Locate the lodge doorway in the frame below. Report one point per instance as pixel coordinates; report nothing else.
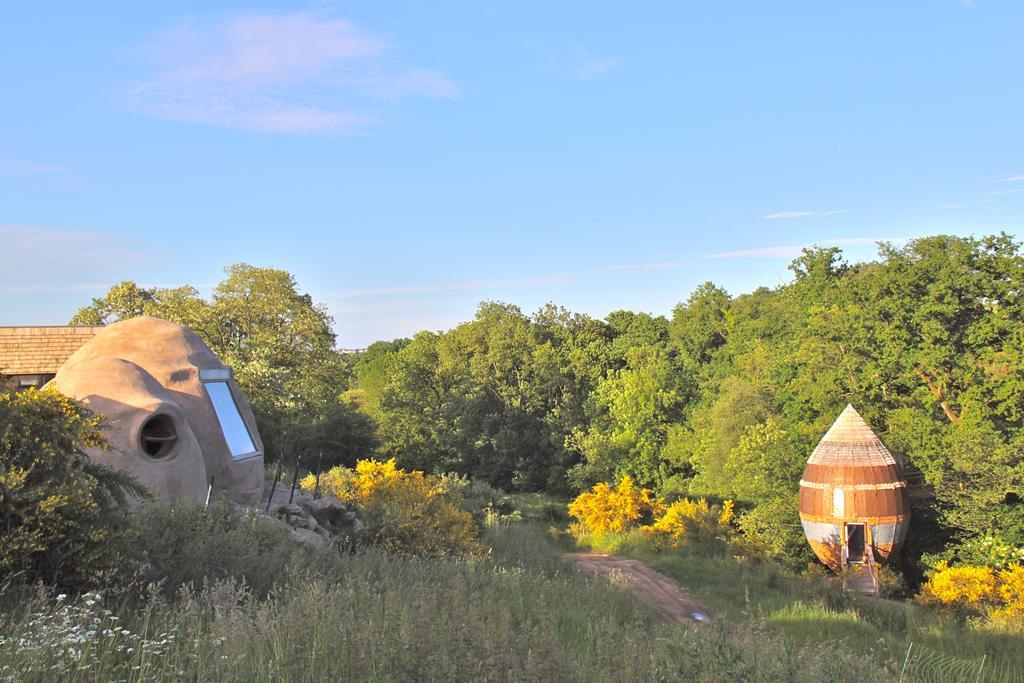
(855, 543)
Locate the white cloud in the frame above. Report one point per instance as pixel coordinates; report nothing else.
(39, 289)
(453, 286)
(15, 167)
(585, 66)
(802, 214)
(49, 259)
(414, 82)
(794, 251)
(992, 195)
(963, 204)
(412, 323)
(765, 252)
(642, 267)
(291, 73)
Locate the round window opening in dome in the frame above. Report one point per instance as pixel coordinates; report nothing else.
(158, 436)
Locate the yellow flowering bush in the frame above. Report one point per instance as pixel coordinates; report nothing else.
(975, 590)
(727, 513)
(403, 511)
(1011, 585)
(963, 586)
(612, 508)
(1011, 594)
(685, 520)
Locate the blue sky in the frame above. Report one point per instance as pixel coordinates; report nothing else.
(406, 160)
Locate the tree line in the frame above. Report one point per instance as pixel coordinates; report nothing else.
(726, 398)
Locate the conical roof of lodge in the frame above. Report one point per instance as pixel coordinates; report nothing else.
(850, 442)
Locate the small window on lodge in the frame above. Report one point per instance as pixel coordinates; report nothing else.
(231, 423)
(158, 436)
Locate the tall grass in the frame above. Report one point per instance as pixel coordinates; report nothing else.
(809, 611)
(520, 615)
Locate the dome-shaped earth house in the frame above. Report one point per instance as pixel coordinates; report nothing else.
(176, 418)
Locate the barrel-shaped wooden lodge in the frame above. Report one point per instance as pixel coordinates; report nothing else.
(854, 502)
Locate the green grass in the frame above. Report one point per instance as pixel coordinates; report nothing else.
(541, 507)
(520, 613)
(817, 622)
(807, 611)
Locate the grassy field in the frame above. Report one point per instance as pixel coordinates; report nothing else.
(519, 613)
(806, 611)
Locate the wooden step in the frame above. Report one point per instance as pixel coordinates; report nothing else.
(860, 579)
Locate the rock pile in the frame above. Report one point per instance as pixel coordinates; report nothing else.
(313, 520)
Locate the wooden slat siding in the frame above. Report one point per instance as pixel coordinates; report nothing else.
(40, 350)
(842, 473)
(882, 502)
(852, 458)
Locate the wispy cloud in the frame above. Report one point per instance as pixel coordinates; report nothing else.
(453, 286)
(990, 196)
(642, 267)
(49, 259)
(39, 289)
(30, 168)
(963, 204)
(796, 250)
(290, 73)
(802, 214)
(764, 252)
(412, 323)
(1002, 192)
(585, 65)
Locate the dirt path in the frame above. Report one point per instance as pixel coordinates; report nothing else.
(653, 588)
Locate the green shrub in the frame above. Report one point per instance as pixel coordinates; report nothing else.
(488, 505)
(551, 512)
(772, 530)
(63, 518)
(541, 507)
(340, 437)
(192, 546)
(892, 584)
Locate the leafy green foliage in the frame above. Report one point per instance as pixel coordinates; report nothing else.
(725, 400)
(728, 398)
(495, 397)
(63, 518)
(632, 410)
(343, 435)
(488, 505)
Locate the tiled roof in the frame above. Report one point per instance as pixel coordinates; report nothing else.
(851, 442)
(40, 350)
